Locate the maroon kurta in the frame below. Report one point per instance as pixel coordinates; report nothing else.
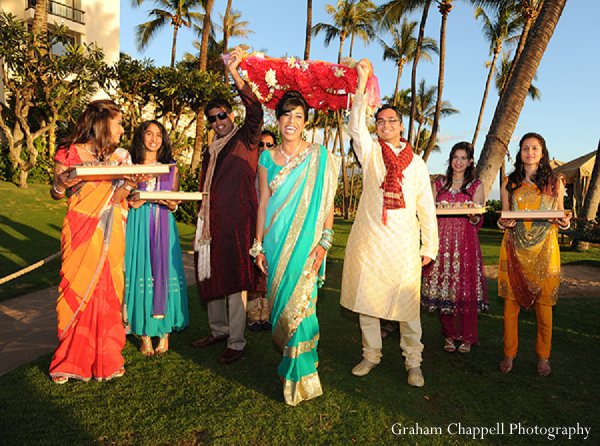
(233, 206)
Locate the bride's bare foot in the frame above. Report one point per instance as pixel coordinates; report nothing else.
(506, 364)
(543, 367)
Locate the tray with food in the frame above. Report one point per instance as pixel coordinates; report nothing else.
(90, 173)
(167, 195)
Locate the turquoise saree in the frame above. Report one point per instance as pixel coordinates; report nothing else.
(302, 194)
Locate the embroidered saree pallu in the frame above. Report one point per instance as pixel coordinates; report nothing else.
(302, 196)
(531, 249)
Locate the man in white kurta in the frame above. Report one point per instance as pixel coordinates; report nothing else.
(382, 265)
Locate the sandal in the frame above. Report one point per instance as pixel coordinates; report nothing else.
(60, 379)
(543, 367)
(146, 346)
(506, 364)
(449, 345)
(163, 345)
(464, 347)
(387, 328)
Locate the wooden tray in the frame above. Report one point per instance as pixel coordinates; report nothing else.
(532, 215)
(90, 173)
(460, 211)
(167, 195)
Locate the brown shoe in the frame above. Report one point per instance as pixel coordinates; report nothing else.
(208, 340)
(230, 355)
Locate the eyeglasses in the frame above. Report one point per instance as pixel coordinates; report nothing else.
(387, 121)
(266, 144)
(221, 115)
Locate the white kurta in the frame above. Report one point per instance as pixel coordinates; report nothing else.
(382, 265)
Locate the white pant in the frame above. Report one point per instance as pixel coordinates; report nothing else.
(232, 323)
(410, 340)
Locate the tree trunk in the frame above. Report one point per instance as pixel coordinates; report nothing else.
(511, 103)
(226, 29)
(40, 19)
(397, 87)
(413, 76)
(308, 29)
(345, 200)
(174, 46)
(485, 94)
(445, 7)
(196, 155)
(592, 198)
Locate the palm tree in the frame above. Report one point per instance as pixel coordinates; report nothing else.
(178, 12)
(426, 101)
(497, 30)
(501, 78)
(226, 28)
(403, 49)
(308, 29)
(512, 100)
(350, 18)
(203, 59)
(529, 10)
(233, 27)
(391, 13)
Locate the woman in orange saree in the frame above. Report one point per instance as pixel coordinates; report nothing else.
(529, 270)
(91, 335)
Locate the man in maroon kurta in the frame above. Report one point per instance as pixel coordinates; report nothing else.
(227, 226)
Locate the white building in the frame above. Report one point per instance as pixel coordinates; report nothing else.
(87, 20)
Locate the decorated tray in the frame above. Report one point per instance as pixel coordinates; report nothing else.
(167, 195)
(461, 210)
(532, 215)
(116, 172)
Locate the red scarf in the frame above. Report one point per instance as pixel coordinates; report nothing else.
(393, 198)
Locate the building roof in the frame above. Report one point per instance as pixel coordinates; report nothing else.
(578, 168)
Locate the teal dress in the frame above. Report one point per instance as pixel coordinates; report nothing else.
(155, 288)
(302, 195)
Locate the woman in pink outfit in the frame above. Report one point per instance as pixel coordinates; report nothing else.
(455, 283)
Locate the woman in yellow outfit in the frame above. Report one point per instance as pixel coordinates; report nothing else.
(529, 271)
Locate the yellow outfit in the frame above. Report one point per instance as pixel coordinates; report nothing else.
(529, 271)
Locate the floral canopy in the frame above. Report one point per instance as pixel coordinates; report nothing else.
(324, 85)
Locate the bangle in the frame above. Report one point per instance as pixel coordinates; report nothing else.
(174, 210)
(565, 227)
(326, 240)
(57, 190)
(475, 220)
(127, 187)
(257, 249)
(500, 225)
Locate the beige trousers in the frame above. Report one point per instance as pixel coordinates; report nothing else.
(233, 322)
(410, 340)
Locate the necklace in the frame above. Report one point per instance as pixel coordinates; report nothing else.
(289, 157)
(457, 181)
(88, 150)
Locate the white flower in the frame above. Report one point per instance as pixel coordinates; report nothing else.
(291, 62)
(339, 72)
(270, 78)
(303, 65)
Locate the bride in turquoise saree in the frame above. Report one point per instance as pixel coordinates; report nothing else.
(297, 183)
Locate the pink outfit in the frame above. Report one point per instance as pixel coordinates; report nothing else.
(455, 282)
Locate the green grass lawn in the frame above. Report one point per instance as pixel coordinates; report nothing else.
(186, 398)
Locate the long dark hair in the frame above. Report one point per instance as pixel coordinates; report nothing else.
(93, 126)
(469, 171)
(544, 176)
(289, 101)
(138, 150)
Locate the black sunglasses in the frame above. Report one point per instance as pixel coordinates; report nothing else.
(266, 144)
(213, 118)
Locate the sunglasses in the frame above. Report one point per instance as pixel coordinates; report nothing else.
(266, 144)
(221, 116)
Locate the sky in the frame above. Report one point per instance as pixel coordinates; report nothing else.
(568, 77)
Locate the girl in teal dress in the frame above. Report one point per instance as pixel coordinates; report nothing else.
(297, 183)
(155, 288)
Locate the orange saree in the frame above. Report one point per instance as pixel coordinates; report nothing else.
(90, 328)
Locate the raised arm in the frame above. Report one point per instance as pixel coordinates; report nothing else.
(254, 112)
(357, 123)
